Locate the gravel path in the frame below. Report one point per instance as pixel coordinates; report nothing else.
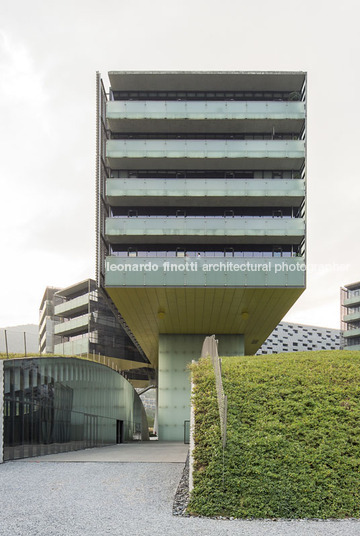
(132, 499)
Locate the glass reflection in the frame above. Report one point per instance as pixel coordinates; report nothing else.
(59, 404)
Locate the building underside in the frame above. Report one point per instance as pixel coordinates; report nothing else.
(250, 312)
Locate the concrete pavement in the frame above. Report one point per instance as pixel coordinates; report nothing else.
(136, 452)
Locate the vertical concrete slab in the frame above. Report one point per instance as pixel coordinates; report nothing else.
(192, 442)
(1, 411)
(175, 354)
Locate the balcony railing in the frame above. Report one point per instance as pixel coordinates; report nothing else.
(354, 299)
(193, 230)
(74, 347)
(352, 317)
(205, 154)
(204, 272)
(351, 332)
(73, 326)
(235, 192)
(142, 148)
(74, 306)
(198, 110)
(229, 253)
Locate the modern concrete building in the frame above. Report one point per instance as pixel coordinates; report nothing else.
(350, 316)
(289, 337)
(201, 180)
(77, 320)
(47, 320)
(88, 326)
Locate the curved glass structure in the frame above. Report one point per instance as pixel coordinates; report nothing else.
(59, 404)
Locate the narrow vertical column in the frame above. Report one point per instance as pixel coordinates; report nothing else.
(1, 411)
(156, 418)
(192, 441)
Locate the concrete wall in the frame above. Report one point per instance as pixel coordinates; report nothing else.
(175, 353)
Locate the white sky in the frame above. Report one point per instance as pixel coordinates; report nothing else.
(49, 53)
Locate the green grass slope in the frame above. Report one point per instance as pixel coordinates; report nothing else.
(293, 441)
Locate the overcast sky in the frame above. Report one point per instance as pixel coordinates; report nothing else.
(49, 54)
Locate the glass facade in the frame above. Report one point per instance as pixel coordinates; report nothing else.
(87, 325)
(60, 404)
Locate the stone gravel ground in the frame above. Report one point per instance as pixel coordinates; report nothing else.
(132, 499)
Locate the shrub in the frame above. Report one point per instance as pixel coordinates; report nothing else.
(293, 440)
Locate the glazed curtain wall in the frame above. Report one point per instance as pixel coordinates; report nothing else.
(60, 404)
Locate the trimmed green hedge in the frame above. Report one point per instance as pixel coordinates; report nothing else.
(293, 441)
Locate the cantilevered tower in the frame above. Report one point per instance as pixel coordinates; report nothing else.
(201, 181)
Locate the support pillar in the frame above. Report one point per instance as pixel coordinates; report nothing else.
(175, 354)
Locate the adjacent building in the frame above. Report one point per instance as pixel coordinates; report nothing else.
(48, 320)
(78, 320)
(289, 337)
(201, 181)
(87, 325)
(350, 316)
(56, 403)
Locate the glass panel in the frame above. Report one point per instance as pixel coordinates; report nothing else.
(47, 411)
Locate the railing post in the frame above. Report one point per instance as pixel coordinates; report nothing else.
(6, 344)
(225, 420)
(192, 437)
(210, 349)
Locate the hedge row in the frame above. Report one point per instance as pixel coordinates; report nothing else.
(293, 441)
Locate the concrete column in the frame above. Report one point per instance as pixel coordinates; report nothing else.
(192, 443)
(1, 410)
(175, 353)
(156, 418)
